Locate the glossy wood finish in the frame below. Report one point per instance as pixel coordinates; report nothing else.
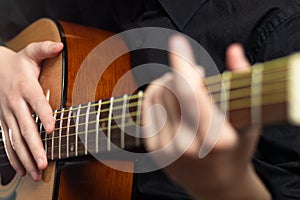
(78, 180)
(96, 180)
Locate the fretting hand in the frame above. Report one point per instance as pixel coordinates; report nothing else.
(226, 171)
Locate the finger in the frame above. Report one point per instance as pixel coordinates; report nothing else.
(29, 132)
(152, 105)
(20, 147)
(12, 157)
(34, 96)
(40, 51)
(183, 62)
(236, 59)
(188, 80)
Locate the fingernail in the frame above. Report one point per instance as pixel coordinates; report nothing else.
(21, 172)
(54, 45)
(49, 127)
(34, 175)
(40, 163)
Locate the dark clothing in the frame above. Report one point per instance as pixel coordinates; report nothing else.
(267, 28)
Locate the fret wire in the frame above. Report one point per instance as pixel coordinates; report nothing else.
(52, 153)
(91, 122)
(46, 143)
(68, 130)
(283, 67)
(60, 131)
(109, 123)
(115, 136)
(266, 100)
(133, 104)
(97, 124)
(125, 97)
(130, 144)
(107, 109)
(267, 68)
(86, 126)
(105, 102)
(127, 124)
(138, 118)
(257, 78)
(130, 124)
(76, 129)
(216, 101)
(246, 81)
(245, 106)
(63, 154)
(225, 94)
(245, 92)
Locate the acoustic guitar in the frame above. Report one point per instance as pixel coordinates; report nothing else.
(265, 95)
(72, 179)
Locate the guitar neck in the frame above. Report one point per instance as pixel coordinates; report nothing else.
(262, 96)
(95, 127)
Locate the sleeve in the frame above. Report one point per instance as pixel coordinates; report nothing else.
(277, 159)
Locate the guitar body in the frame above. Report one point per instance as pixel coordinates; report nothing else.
(73, 179)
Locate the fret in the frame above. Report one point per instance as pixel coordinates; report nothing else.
(39, 124)
(77, 129)
(109, 123)
(60, 131)
(138, 119)
(256, 95)
(225, 93)
(124, 106)
(68, 130)
(97, 125)
(293, 85)
(45, 144)
(52, 147)
(87, 127)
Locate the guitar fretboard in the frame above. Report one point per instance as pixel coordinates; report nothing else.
(95, 127)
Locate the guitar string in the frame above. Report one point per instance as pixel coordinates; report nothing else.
(89, 140)
(209, 79)
(132, 114)
(135, 96)
(245, 93)
(83, 132)
(71, 153)
(60, 119)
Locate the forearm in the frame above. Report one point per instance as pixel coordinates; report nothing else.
(248, 187)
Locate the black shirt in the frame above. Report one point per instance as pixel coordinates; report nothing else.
(268, 30)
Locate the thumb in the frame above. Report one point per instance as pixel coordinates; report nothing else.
(236, 59)
(39, 51)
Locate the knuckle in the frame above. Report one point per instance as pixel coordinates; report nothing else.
(45, 45)
(12, 101)
(38, 103)
(26, 133)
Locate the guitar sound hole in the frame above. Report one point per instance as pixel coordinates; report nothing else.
(6, 171)
(7, 174)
